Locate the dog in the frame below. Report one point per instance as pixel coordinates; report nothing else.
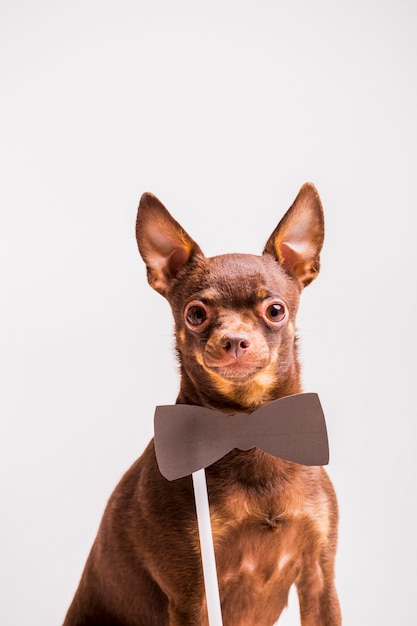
(274, 522)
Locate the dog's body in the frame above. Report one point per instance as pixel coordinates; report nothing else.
(274, 522)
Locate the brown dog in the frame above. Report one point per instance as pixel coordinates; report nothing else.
(274, 522)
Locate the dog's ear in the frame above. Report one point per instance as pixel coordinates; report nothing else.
(297, 240)
(163, 243)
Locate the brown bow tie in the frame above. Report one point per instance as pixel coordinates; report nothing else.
(189, 437)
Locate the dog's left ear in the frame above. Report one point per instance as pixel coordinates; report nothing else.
(298, 239)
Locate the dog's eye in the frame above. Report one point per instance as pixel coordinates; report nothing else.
(196, 315)
(275, 312)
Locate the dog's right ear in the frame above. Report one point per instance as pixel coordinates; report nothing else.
(163, 244)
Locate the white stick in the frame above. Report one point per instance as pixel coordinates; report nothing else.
(207, 548)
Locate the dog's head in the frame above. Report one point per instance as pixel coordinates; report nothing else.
(234, 313)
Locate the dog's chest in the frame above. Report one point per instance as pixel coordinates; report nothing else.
(253, 536)
(258, 556)
(260, 537)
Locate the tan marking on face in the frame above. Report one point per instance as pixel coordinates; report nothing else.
(252, 392)
(262, 294)
(256, 392)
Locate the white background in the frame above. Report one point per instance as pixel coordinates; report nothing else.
(222, 109)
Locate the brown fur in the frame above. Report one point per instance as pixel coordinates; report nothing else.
(274, 522)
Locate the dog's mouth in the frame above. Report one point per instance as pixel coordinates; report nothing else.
(236, 369)
(247, 384)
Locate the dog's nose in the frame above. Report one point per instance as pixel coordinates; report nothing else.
(235, 345)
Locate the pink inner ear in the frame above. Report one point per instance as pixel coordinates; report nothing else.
(176, 261)
(289, 256)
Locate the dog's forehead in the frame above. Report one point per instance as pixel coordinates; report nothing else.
(246, 265)
(245, 276)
